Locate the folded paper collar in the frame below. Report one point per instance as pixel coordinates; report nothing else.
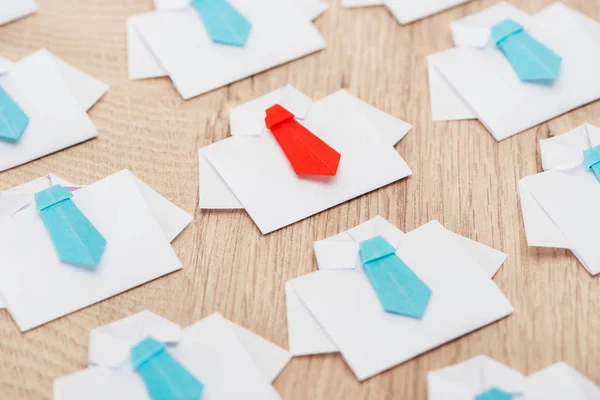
(475, 30)
(566, 151)
(248, 119)
(110, 344)
(20, 197)
(342, 251)
(478, 375)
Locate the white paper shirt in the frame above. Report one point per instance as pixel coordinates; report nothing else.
(560, 205)
(251, 170)
(179, 45)
(230, 361)
(338, 309)
(475, 82)
(470, 378)
(137, 223)
(55, 97)
(11, 10)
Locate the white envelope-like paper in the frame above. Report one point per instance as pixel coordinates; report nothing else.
(137, 223)
(230, 361)
(249, 170)
(174, 42)
(475, 80)
(407, 11)
(466, 380)
(12, 10)
(560, 205)
(336, 309)
(55, 96)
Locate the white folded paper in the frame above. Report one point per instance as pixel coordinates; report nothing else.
(12, 10)
(468, 379)
(55, 96)
(407, 11)
(137, 223)
(475, 80)
(336, 309)
(249, 170)
(173, 41)
(560, 205)
(230, 361)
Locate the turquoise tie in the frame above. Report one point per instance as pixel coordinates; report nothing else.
(224, 24)
(164, 377)
(493, 394)
(13, 119)
(76, 240)
(398, 288)
(531, 60)
(591, 158)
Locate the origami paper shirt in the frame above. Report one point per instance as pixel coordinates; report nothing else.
(165, 377)
(560, 205)
(137, 223)
(336, 309)
(54, 96)
(474, 79)
(249, 170)
(76, 240)
(224, 24)
(531, 59)
(308, 154)
(13, 119)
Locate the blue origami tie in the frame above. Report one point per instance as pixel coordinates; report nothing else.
(224, 24)
(398, 288)
(591, 158)
(13, 119)
(164, 377)
(76, 240)
(493, 394)
(531, 60)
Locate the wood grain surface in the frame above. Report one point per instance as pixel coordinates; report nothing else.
(462, 177)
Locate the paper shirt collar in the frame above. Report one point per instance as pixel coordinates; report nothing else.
(249, 118)
(478, 374)
(341, 251)
(20, 197)
(475, 30)
(566, 151)
(110, 344)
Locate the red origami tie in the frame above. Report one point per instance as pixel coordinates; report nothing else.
(308, 154)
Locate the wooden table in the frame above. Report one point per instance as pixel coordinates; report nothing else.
(462, 177)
